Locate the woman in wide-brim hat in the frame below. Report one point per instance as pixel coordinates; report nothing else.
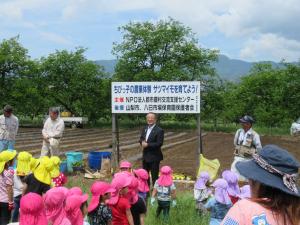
(275, 195)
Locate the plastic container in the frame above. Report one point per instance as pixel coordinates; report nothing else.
(63, 167)
(73, 157)
(65, 114)
(106, 155)
(95, 159)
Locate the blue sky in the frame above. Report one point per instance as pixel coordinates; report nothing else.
(250, 30)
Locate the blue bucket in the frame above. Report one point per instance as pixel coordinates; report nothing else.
(106, 155)
(73, 157)
(95, 159)
(63, 167)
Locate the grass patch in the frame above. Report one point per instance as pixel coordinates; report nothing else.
(183, 214)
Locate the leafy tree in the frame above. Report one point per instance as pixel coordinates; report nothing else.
(270, 95)
(166, 50)
(212, 97)
(75, 83)
(14, 62)
(28, 93)
(291, 91)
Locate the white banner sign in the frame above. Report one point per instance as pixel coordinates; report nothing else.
(158, 97)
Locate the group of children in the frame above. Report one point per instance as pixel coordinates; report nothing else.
(220, 196)
(33, 193)
(30, 175)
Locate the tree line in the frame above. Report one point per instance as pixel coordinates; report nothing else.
(163, 51)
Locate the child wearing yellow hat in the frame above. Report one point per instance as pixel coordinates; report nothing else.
(43, 171)
(33, 164)
(58, 178)
(6, 185)
(40, 179)
(23, 169)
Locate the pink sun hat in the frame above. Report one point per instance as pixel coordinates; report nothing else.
(125, 165)
(75, 191)
(120, 180)
(143, 177)
(32, 210)
(165, 178)
(64, 190)
(72, 208)
(133, 190)
(98, 189)
(54, 201)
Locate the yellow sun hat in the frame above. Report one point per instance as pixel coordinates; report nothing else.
(23, 165)
(33, 164)
(56, 163)
(6, 156)
(43, 171)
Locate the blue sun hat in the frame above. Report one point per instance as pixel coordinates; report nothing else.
(274, 167)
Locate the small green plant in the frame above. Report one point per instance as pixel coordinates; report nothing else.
(77, 164)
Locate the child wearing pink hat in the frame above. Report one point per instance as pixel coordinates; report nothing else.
(54, 201)
(74, 191)
(32, 210)
(220, 204)
(143, 186)
(138, 205)
(165, 191)
(98, 211)
(119, 202)
(76, 208)
(125, 166)
(202, 191)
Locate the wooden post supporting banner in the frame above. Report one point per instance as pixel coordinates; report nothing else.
(199, 141)
(118, 140)
(114, 143)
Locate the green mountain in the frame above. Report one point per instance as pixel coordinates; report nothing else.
(229, 69)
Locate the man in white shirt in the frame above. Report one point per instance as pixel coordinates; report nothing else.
(246, 142)
(52, 133)
(9, 125)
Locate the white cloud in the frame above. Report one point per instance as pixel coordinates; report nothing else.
(249, 22)
(79, 8)
(10, 12)
(56, 38)
(271, 47)
(14, 9)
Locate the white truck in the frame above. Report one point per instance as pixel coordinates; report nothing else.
(71, 121)
(295, 128)
(74, 122)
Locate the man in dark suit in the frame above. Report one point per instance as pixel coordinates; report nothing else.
(151, 140)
